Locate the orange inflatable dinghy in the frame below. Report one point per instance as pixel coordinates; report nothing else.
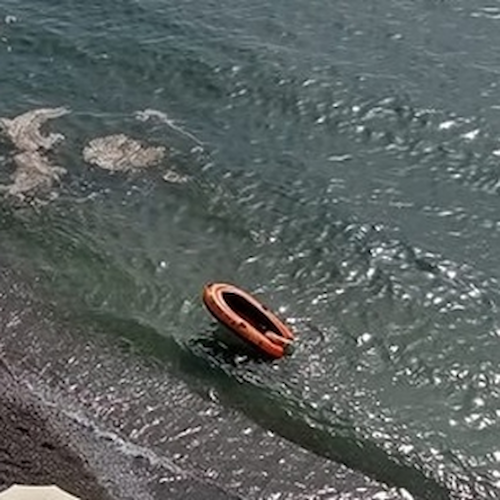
(248, 318)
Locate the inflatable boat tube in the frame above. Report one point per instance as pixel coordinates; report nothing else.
(248, 318)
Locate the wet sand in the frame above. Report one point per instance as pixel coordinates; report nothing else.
(42, 445)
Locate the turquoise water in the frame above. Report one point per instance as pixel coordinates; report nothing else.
(343, 163)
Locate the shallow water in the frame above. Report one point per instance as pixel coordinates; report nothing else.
(343, 163)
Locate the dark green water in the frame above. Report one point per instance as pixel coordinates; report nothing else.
(348, 172)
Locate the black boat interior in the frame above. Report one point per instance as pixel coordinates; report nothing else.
(249, 312)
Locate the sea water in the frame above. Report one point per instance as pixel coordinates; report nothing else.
(341, 161)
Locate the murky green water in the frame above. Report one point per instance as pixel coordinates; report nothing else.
(343, 162)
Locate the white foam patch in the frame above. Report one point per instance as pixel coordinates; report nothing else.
(148, 114)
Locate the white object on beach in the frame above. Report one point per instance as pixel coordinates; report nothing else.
(18, 492)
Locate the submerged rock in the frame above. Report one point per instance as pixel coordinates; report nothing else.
(25, 130)
(121, 153)
(34, 174)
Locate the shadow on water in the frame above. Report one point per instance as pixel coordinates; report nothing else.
(333, 440)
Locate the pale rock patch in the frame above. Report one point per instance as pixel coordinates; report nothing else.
(34, 174)
(121, 153)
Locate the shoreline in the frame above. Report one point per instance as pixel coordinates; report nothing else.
(42, 445)
(102, 424)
